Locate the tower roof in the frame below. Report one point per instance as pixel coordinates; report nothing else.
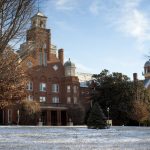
(40, 14)
(69, 63)
(147, 64)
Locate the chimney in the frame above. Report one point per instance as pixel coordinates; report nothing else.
(61, 55)
(135, 77)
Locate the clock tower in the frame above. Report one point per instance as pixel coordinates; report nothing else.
(39, 35)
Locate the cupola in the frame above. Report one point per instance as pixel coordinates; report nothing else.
(147, 69)
(38, 20)
(69, 68)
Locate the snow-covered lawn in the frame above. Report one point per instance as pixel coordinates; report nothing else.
(74, 138)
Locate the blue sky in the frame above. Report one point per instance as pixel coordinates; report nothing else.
(101, 34)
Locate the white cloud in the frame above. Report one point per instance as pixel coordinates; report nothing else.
(125, 16)
(65, 4)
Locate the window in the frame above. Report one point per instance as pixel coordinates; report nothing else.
(55, 99)
(68, 100)
(42, 99)
(55, 88)
(29, 64)
(40, 58)
(75, 100)
(44, 45)
(30, 86)
(34, 23)
(43, 87)
(41, 24)
(68, 88)
(75, 89)
(30, 98)
(45, 59)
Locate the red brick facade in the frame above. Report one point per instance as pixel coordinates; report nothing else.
(52, 83)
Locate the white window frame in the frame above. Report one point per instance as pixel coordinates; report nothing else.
(43, 87)
(68, 88)
(75, 100)
(75, 89)
(42, 99)
(30, 86)
(55, 88)
(55, 99)
(68, 100)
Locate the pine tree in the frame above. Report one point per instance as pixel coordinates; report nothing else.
(97, 119)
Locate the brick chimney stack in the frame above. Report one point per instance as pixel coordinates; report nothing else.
(61, 55)
(135, 78)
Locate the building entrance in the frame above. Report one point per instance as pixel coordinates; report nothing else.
(44, 117)
(1, 117)
(53, 118)
(63, 118)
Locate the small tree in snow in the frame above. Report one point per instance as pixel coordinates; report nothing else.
(97, 119)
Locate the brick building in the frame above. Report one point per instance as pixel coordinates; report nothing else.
(53, 83)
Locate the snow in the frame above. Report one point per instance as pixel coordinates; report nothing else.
(74, 138)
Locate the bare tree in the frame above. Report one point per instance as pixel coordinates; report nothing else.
(14, 17)
(140, 111)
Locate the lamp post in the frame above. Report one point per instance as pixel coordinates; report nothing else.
(108, 116)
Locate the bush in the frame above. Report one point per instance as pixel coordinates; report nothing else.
(29, 112)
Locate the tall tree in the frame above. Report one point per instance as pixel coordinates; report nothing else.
(118, 92)
(13, 79)
(14, 17)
